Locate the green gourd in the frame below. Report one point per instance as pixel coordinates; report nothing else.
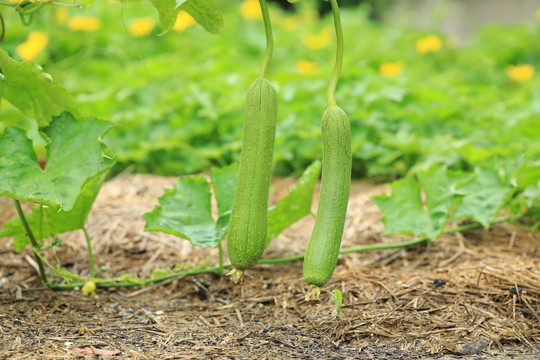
(323, 248)
(248, 226)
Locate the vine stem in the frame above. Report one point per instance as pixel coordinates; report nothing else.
(117, 282)
(90, 253)
(269, 40)
(35, 245)
(331, 92)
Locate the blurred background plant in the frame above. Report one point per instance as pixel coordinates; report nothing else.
(417, 98)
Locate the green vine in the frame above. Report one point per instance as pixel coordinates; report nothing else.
(75, 282)
(269, 40)
(331, 92)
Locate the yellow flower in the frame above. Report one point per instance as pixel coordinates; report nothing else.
(141, 27)
(84, 23)
(391, 68)
(61, 14)
(537, 14)
(35, 44)
(305, 67)
(428, 44)
(89, 289)
(183, 21)
(520, 73)
(317, 42)
(251, 10)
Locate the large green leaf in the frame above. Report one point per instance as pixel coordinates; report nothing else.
(33, 91)
(167, 13)
(205, 12)
(403, 210)
(296, 204)
(441, 188)
(484, 197)
(74, 155)
(185, 211)
(55, 221)
(224, 182)
(478, 196)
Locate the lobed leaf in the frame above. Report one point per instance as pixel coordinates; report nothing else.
(186, 212)
(167, 13)
(484, 197)
(33, 91)
(224, 182)
(456, 195)
(75, 154)
(403, 210)
(54, 220)
(295, 205)
(205, 13)
(441, 188)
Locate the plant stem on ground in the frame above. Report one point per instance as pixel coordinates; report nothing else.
(35, 245)
(90, 253)
(120, 281)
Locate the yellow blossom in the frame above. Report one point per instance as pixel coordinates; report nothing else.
(35, 44)
(537, 14)
(84, 23)
(520, 73)
(141, 27)
(391, 68)
(317, 42)
(61, 14)
(89, 289)
(428, 44)
(305, 67)
(251, 10)
(183, 21)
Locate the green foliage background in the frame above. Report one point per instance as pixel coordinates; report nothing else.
(179, 111)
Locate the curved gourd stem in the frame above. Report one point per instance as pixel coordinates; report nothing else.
(269, 40)
(331, 92)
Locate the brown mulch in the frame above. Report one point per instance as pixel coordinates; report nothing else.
(476, 292)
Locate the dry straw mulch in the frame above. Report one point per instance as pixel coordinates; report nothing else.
(476, 292)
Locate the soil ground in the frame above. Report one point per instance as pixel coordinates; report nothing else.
(471, 295)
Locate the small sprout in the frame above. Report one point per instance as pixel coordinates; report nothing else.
(89, 289)
(338, 298)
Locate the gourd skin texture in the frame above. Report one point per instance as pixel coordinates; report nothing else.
(248, 226)
(323, 248)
